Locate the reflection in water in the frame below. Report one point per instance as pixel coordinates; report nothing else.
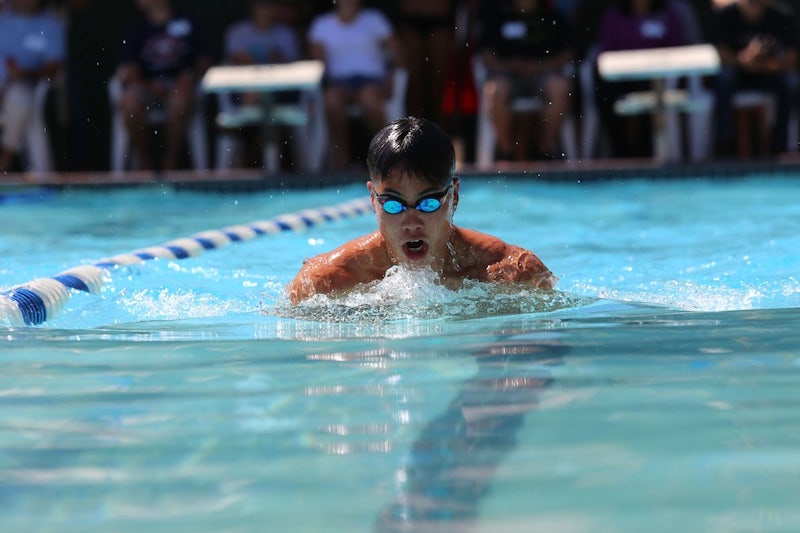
(451, 465)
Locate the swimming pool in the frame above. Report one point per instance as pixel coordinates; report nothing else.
(656, 390)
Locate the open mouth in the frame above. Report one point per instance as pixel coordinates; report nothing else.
(415, 249)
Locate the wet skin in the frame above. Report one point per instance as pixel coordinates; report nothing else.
(416, 239)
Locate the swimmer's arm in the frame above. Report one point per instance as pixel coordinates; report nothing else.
(359, 261)
(318, 278)
(521, 266)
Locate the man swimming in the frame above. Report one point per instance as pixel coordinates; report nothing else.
(414, 193)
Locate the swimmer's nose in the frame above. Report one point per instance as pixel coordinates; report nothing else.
(411, 220)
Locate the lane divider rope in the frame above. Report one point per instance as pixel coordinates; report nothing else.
(39, 300)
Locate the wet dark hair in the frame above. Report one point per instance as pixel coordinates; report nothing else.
(413, 146)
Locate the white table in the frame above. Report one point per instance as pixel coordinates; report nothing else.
(266, 80)
(658, 65)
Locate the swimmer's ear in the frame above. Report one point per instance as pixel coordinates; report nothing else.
(456, 184)
(372, 199)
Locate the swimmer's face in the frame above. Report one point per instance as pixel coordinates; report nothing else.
(414, 237)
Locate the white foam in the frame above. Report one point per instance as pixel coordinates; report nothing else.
(166, 304)
(685, 295)
(418, 294)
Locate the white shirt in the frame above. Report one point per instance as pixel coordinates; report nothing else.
(354, 48)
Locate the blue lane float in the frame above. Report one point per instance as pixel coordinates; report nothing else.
(39, 300)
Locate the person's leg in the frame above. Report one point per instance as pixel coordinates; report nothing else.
(372, 99)
(415, 63)
(782, 87)
(498, 96)
(440, 53)
(180, 107)
(134, 112)
(557, 95)
(18, 102)
(337, 99)
(725, 84)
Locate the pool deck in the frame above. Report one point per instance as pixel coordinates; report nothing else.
(243, 180)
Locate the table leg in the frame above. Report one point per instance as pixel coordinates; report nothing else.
(660, 147)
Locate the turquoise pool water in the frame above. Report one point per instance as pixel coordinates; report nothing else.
(656, 390)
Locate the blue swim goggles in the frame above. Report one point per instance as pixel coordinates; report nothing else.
(427, 204)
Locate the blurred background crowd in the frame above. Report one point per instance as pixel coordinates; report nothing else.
(93, 85)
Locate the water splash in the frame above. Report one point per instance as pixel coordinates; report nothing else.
(418, 294)
(691, 295)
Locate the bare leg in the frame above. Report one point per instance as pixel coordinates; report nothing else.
(135, 115)
(6, 160)
(372, 100)
(743, 140)
(180, 106)
(17, 107)
(440, 52)
(415, 62)
(557, 91)
(499, 96)
(336, 101)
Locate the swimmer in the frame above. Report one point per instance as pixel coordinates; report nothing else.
(414, 193)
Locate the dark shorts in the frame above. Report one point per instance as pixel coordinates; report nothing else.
(522, 86)
(279, 97)
(353, 83)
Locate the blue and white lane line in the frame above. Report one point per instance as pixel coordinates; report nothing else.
(39, 300)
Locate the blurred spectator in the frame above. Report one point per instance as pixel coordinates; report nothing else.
(758, 44)
(356, 44)
(163, 56)
(264, 38)
(526, 47)
(631, 25)
(31, 50)
(427, 32)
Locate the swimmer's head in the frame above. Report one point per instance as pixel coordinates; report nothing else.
(415, 147)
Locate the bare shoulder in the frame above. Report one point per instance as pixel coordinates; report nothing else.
(500, 261)
(357, 261)
(486, 248)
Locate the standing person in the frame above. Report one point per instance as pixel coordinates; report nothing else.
(163, 57)
(525, 48)
(758, 45)
(31, 51)
(356, 44)
(414, 193)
